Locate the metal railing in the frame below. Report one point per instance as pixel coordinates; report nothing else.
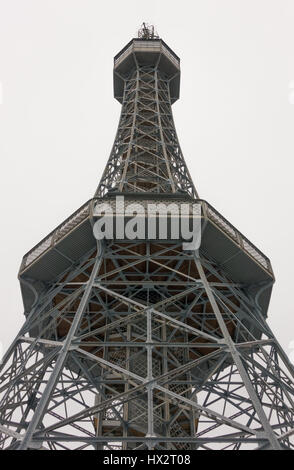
(142, 46)
(56, 235)
(86, 210)
(170, 56)
(237, 236)
(221, 222)
(123, 55)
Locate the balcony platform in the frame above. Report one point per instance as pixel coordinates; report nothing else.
(221, 241)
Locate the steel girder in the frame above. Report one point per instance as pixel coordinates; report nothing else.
(144, 345)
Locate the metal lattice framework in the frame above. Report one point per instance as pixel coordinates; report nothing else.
(146, 155)
(140, 344)
(145, 345)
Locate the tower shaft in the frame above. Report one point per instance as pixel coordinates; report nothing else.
(146, 155)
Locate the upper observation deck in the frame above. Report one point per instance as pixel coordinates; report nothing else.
(153, 52)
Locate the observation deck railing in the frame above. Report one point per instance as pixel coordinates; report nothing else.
(87, 211)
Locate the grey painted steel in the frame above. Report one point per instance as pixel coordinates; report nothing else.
(236, 358)
(156, 403)
(40, 410)
(146, 156)
(140, 344)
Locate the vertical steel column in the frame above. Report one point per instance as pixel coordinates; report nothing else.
(237, 359)
(149, 347)
(126, 163)
(162, 139)
(39, 412)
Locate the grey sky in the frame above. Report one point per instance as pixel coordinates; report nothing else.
(234, 119)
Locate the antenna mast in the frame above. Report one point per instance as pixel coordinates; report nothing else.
(147, 32)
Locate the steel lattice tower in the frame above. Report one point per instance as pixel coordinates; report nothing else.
(140, 344)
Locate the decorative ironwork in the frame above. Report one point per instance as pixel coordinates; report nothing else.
(87, 211)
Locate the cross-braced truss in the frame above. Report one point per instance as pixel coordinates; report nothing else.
(141, 344)
(146, 155)
(144, 345)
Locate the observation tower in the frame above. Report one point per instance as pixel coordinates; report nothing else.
(146, 342)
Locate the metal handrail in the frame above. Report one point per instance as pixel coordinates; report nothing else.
(86, 210)
(51, 238)
(241, 240)
(143, 46)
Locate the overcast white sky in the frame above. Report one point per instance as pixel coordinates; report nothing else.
(235, 120)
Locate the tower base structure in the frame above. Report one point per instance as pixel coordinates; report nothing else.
(145, 346)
